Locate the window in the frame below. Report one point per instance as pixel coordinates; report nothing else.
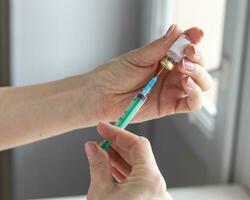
(209, 15)
(212, 130)
(211, 19)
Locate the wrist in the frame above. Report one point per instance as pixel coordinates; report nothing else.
(77, 98)
(90, 100)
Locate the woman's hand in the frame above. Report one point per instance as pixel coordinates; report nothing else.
(45, 110)
(130, 161)
(180, 90)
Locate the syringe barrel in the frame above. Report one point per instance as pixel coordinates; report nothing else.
(127, 116)
(131, 110)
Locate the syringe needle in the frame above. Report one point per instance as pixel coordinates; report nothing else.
(160, 71)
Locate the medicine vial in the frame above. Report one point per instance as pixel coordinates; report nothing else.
(176, 52)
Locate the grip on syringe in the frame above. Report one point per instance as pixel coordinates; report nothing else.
(132, 109)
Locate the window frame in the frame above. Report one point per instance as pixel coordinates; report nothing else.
(214, 143)
(241, 159)
(204, 119)
(5, 157)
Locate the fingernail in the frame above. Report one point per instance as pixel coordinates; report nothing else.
(197, 51)
(170, 30)
(90, 149)
(188, 65)
(191, 83)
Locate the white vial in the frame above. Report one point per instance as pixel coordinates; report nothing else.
(176, 52)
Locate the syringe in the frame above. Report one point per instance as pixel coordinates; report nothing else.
(133, 108)
(174, 54)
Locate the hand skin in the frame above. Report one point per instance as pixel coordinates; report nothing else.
(131, 163)
(36, 112)
(118, 81)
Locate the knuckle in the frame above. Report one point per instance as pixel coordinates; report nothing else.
(97, 190)
(204, 78)
(209, 82)
(199, 72)
(168, 196)
(115, 158)
(144, 141)
(196, 108)
(203, 61)
(197, 105)
(141, 143)
(98, 163)
(156, 184)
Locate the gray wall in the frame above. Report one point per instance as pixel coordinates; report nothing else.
(52, 39)
(177, 161)
(242, 148)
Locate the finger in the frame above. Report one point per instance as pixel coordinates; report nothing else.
(168, 196)
(194, 53)
(139, 148)
(174, 77)
(119, 163)
(195, 34)
(124, 154)
(119, 177)
(100, 170)
(197, 73)
(120, 137)
(114, 149)
(156, 50)
(194, 99)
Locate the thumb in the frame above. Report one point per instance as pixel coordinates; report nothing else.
(100, 170)
(156, 50)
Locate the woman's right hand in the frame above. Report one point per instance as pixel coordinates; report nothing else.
(130, 161)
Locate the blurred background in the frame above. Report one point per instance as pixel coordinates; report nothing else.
(45, 40)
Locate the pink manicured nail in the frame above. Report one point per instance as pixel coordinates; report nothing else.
(188, 65)
(191, 83)
(90, 149)
(197, 51)
(170, 30)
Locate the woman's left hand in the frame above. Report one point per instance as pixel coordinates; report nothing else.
(180, 90)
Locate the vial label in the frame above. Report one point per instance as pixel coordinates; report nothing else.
(176, 51)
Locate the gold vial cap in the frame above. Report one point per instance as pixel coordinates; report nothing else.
(167, 64)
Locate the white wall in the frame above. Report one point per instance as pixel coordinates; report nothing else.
(52, 39)
(56, 38)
